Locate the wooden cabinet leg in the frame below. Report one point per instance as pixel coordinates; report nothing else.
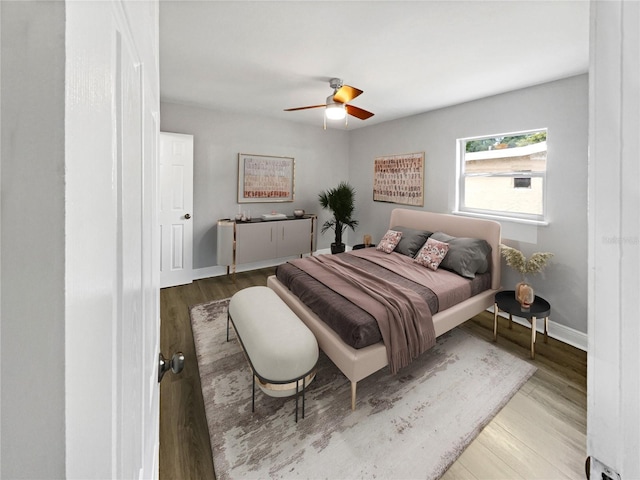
(495, 322)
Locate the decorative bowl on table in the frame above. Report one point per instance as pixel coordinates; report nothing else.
(298, 212)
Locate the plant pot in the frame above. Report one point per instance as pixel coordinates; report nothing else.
(337, 247)
(525, 295)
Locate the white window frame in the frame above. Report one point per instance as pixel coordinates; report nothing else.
(462, 209)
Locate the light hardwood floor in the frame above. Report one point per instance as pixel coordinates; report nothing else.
(539, 434)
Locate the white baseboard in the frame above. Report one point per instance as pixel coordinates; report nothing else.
(560, 332)
(206, 272)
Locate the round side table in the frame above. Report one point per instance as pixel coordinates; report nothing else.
(540, 308)
(359, 246)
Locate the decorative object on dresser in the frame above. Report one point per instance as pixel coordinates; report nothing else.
(264, 178)
(411, 425)
(399, 179)
(349, 319)
(524, 292)
(258, 240)
(341, 202)
(273, 216)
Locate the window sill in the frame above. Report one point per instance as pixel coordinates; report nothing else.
(499, 218)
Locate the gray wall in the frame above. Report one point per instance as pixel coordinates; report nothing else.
(32, 246)
(321, 158)
(560, 106)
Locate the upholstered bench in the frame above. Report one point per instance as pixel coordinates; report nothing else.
(281, 350)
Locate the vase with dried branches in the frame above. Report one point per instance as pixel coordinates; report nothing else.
(534, 264)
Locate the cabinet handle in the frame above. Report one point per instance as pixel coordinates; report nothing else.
(271, 234)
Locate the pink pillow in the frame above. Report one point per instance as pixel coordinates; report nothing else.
(389, 241)
(432, 253)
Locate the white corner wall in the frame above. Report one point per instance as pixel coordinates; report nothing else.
(32, 375)
(560, 106)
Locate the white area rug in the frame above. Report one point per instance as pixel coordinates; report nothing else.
(411, 425)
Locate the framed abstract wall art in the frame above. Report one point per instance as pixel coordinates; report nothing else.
(263, 178)
(399, 179)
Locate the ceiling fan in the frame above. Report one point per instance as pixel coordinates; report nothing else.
(337, 106)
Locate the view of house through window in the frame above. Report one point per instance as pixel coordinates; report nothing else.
(503, 175)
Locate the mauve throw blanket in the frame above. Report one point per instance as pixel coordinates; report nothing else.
(404, 318)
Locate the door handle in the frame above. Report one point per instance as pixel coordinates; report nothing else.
(175, 365)
(187, 216)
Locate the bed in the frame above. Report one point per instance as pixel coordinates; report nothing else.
(358, 363)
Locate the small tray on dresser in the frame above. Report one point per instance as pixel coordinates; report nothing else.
(273, 216)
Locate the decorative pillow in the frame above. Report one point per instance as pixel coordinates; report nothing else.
(466, 256)
(432, 253)
(389, 241)
(411, 240)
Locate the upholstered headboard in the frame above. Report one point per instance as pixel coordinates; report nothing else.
(457, 226)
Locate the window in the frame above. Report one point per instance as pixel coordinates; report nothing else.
(503, 175)
(522, 182)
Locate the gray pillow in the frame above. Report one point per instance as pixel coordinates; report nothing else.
(412, 240)
(466, 256)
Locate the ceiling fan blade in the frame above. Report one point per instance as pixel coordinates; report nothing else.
(304, 108)
(346, 93)
(358, 112)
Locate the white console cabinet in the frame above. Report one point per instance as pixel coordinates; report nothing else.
(259, 240)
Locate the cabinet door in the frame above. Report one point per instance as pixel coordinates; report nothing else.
(255, 242)
(294, 237)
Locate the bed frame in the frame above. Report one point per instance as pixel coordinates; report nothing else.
(357, 364)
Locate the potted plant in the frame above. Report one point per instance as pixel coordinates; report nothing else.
(340, 200)
(535, 264)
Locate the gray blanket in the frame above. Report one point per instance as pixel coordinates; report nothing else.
(403, 316)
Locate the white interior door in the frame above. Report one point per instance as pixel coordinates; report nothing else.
(112, 238)
(176, 209)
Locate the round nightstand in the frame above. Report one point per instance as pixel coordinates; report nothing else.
(540, 308)
(358, 246)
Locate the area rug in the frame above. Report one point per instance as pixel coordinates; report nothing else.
(410, 425)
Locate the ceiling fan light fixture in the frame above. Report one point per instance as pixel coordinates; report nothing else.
(337, 106)
(334, 110)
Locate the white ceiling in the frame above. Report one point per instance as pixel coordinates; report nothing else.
(260, 57)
